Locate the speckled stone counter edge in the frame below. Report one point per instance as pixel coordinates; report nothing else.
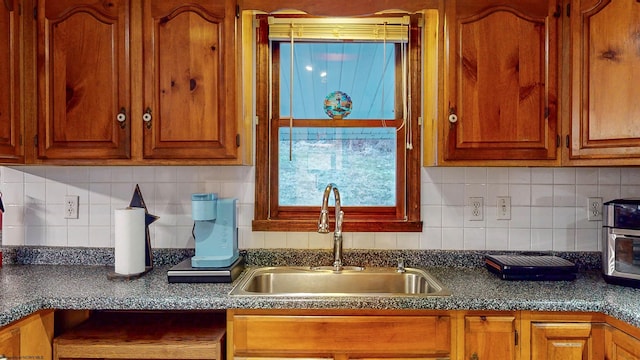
(287, 257)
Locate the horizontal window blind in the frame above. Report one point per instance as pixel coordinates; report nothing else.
(390, 29)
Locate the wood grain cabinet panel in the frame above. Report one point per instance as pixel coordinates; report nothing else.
(490, 337)
(566, 341)
(136, 80)
(605, 68)
(501, 81)
(620, 345)
(11, 124)
(10, 343)
(144, 335)
(29, 337)
(83, 79)
(339, 336)
(189, 79)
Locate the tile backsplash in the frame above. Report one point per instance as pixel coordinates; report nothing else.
(548, 207)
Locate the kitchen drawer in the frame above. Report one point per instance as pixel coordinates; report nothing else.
(272, 335)
(349, 358)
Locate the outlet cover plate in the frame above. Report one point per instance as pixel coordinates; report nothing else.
(476, 208)
(71, 207)
(594, 209)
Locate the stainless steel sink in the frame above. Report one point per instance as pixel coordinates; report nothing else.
(354, 281)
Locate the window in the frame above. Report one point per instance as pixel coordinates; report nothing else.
(338, 101)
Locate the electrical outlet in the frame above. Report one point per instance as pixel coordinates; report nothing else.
(476, 208)
(503, 212)
(594, 209)
(71, 207)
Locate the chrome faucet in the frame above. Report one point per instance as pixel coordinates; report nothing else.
(323, 224)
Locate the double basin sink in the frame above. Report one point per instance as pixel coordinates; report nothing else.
(349, 281)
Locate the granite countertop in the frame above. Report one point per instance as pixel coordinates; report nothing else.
(28, 288)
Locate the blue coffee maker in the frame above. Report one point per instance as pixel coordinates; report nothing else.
(215, 231)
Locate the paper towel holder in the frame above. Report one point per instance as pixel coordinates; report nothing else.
(138, 201)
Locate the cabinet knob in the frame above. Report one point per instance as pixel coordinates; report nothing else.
(474, 356)
(122, 119)
(453, 118)
(146, 117)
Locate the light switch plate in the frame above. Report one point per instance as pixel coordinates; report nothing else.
(503, 210)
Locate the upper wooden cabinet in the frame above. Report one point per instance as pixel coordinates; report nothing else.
(539, 83)
(11, 125)
(84, 79)
(132, 80)
(605, 68)
(189, 79)
(500, 81)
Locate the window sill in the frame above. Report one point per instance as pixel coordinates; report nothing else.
(347, 226)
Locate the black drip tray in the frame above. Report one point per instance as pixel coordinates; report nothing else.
(531, 267)
(185, 273)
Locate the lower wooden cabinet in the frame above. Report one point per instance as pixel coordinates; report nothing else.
(461, 335)
(10, 343)
(28, 338)
(562, 335)
(566, 341)
(620, 345)
(337, 334)
(271, 334)
(491, 337)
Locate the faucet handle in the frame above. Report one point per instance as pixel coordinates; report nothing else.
(323, 222)
(401, 268)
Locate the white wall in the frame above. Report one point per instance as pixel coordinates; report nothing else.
(548, 207)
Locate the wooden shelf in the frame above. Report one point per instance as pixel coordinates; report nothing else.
(144, 335)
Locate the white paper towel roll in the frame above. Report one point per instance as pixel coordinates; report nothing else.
(130, 241)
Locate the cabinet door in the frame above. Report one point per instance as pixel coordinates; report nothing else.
(605, 68)
(189, 79)
(490, 337)
(36, 334)
(566, 341)
(11, 150)
(621, 346)
(83, 79)
(10, 343)
(501, 91)
(341, 336)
